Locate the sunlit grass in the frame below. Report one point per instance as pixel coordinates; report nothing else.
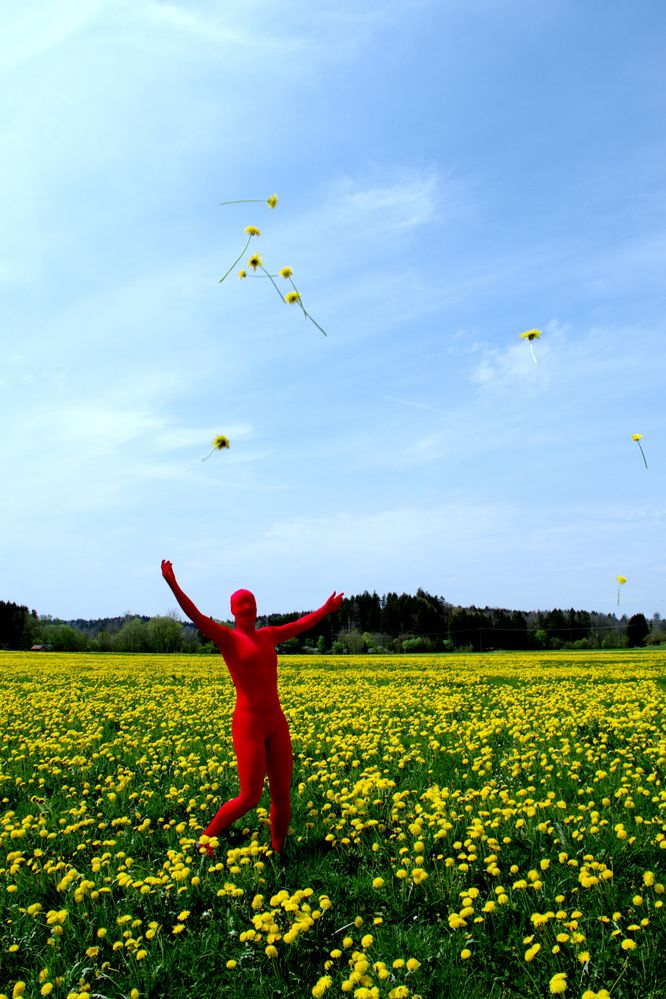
(463, 825)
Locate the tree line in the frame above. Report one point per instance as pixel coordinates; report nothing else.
(366, 623)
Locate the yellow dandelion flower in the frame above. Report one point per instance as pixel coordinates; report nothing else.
(286, 272)
(219, 444)
(322, 986)
(272, 201)
(270, 951)
(242, 274)
(558, 983)
(252, 230)
(531, 335)
(621, 581)
(378, 883)
(628, 944)
(255, 261)
(292, 297)
(465, 954)
(231, 964)
(413, 965)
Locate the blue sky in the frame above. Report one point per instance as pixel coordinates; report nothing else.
(449, 175)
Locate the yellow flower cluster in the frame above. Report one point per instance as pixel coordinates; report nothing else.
(255, 262)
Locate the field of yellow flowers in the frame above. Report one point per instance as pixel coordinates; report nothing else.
(479, 826)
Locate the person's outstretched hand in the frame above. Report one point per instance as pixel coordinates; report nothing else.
(167, 571)
(334, 602)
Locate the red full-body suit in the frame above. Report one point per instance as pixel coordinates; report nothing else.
(259, 727)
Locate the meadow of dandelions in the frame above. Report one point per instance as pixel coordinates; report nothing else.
(486, 826)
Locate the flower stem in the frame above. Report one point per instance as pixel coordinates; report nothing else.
(236, 260)
(208, 455)
(316, 324)
(270, 278)
(532, 352)
(643, 453)
(242, 201)
(305, 312)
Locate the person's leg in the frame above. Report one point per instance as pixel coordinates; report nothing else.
(251, 758)
(279, 764)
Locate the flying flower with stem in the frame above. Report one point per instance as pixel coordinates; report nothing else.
(269, 276)
(294, 297)
(637, 438)
(270, 201)
(219, 444)
(530, 335)
(250, 230)
(256, 263)
(621, 581)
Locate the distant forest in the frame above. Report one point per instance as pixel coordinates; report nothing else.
(366, 623)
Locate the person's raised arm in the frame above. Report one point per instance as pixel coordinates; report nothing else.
(283, 632)
(211, 629)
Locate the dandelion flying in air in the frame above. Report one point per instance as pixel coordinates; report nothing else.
(294, 297)
(271, 201)
(250, 231)
(255, 263)
(637, 438)
(530, 335)
(621, 581)
(219, 444)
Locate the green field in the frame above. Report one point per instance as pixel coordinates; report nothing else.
(479, 826)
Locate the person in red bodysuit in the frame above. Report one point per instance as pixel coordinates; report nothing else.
(259, 727)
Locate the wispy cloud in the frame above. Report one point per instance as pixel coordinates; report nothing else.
(409, 201)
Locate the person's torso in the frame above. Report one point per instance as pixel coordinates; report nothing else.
(252, 663)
